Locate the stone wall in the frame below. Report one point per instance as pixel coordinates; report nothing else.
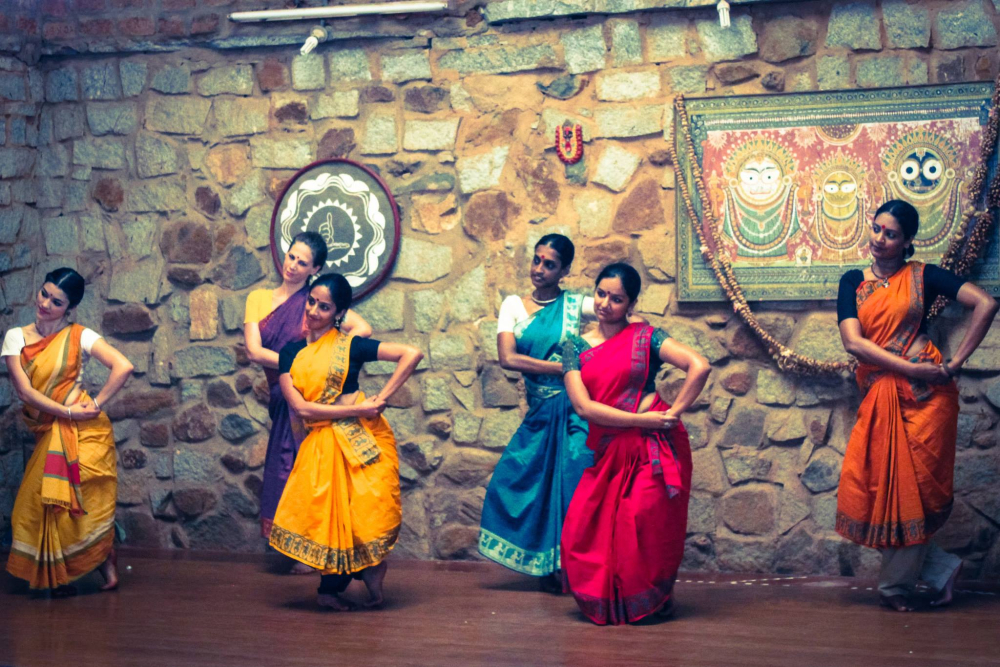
(141, 146)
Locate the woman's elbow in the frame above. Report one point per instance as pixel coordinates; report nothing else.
(127, 368)
(416, 356)
(700, 367)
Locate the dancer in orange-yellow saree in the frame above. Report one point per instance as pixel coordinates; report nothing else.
(64, 514)
(623, 536)
(896, 481)
(340, 511)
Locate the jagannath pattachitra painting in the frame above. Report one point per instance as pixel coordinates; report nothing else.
(794, 180)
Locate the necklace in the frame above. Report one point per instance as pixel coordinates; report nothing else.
(545, 302)
(883, 281)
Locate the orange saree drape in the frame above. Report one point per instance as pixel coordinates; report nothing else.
(63, 519)
(340, 511)
(896, 482)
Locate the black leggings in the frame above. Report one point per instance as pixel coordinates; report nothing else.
(334, 584)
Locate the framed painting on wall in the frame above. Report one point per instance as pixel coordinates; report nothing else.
(352, 209)
(794, 180)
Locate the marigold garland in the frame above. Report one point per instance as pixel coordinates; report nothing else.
(962, 250)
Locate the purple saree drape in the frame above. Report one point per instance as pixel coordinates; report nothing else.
(282, 326)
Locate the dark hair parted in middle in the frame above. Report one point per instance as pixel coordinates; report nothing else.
(340, 290)
(316, 243)
(561, 245)
(907, 217)
(69, 281)
(631, 282)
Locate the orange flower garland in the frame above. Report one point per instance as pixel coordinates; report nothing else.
(569, 143)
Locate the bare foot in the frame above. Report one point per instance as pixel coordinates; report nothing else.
(895, 602)
(948, 592)
(109, 569)
(334, 602)
(300, 568)
(373, 578)
(551, 583)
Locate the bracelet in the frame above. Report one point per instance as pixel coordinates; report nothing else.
(69, 413)
(97, 405)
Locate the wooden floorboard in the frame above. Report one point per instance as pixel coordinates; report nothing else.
(216, 612)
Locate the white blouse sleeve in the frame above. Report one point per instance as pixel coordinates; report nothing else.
(13, 343)
(512, 311)
(587, 309)
(88, 338)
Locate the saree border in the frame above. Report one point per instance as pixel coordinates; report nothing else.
(628, 609)
(508, 554)
(893, 534)
(325, 558)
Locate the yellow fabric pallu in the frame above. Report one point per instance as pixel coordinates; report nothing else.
(340, 511)
(64, 514)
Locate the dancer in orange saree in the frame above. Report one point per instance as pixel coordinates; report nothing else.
(340, 511)
(896, 482)
(63, 518)
(623, 536)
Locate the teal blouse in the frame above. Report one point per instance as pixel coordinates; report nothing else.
(574, 346)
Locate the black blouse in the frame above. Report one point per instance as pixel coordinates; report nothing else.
(362, 350)
(937, 281)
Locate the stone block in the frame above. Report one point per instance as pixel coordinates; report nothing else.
(430, 135)
(246, 193)
(615, 86)
(236, 428)
(450, 351)
(499, 427)
(133, 77)
(380, 135)
(236, 117)
(584, 49)
(854, 25)
(906, 26)
(666, 37)
(421, 261)
(61, 236)
(594, 211)
(743, 553)
(308, 72)
(383, 310)
(730, 43)
(626, 43)
(688, 78)
(177, 115)
(615, 167)
(775, 388)
(154, 156)
(53, 161)
(483, 171)
(787, 37)
(745, 464)
(786, 427)
(433, 215)
(203, 306)
(466, 427)
(158, 195)
(68, 122)
(428, 306)
(962, 24)
(987, 355)
(629, 121)
(172, 80)
(61, 85)
(833, 73)
(349, 65)
(339, 104)
(13, 87)
(467, 299)
(746, 428)
(707, 472)
(280, 154)
(231, 79)
(136, 282)
(499, 60)
(202, 361)
(403, 66)
(823, 471)
(238, 270)
(100, 82)
(750, 509)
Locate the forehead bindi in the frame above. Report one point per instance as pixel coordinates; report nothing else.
(549, 253)
(301, 251)
(322, 295)
(613, 286)
(55, 293)
(888, 221)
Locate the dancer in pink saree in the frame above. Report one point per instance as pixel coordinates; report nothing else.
(623, 537)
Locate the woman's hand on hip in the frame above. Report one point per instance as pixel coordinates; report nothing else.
(83, 410)
(659, 421)
(929, 372)
(370, 408)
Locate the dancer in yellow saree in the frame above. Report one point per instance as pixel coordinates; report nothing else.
(340, 511)
(63, 519)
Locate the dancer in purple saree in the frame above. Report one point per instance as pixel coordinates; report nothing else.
(274, 319)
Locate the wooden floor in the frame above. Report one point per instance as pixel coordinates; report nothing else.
(219, 612)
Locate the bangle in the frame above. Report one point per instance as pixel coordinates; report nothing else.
(97, 405)
(69, 413)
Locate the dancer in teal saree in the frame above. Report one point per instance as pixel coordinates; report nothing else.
(535, 478)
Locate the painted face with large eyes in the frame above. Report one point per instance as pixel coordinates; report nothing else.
(320, 308)
(921, 171)
(51, 303)
(760, 178)
(840, 188)
(611, 303)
